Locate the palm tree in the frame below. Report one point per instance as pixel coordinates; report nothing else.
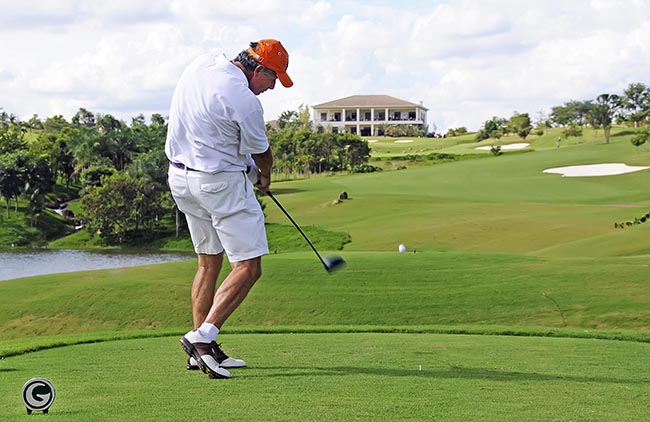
(604, 111)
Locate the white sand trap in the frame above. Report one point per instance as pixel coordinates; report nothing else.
(372, 141)
(609, 169)
(504, 147)
(404, 141)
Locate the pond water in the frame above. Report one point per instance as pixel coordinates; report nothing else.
(25, 263)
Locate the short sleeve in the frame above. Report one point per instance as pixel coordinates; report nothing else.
(253, 134)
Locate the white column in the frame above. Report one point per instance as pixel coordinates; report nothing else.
(358, 126)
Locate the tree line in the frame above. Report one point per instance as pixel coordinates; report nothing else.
(631, 107)
(119, 169)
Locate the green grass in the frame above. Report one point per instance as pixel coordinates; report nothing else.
(511, 304)
(374, 289)
(501, 204)
(342, 377)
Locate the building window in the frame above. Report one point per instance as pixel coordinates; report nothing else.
(323, 117)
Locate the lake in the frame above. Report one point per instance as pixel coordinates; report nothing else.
(25, 263)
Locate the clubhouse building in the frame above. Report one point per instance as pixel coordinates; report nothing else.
(367, 115)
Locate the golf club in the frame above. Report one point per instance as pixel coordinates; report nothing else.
(332, 262)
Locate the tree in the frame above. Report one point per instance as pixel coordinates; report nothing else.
(107, 123)
(119, 146)
(62, 159)
(7, 118)
(12, 137)
(288, 119)
(604, 111)
(83, 117)
(520, 124)
(123, 208)
(54, 123)
(84, 145)
(295, 119)
(354, 151)
(571, 113)
(94, 176)
(572, 130)
(35, 123)
(637, 102)
(40, 181)
(11, 180)
(493, 128)
(640, 137)
(451, 132)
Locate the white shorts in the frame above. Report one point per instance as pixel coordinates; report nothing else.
(222, 213)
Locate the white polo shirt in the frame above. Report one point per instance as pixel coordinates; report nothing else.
(214, 118)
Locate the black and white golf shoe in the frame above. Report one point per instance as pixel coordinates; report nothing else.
(199, 348)
(222, 358)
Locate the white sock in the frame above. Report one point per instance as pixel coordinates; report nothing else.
(208, 331)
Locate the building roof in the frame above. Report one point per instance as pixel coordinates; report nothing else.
(368, 101)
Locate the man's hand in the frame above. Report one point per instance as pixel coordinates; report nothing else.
(263, 163)
(259, 180)
(264, 183)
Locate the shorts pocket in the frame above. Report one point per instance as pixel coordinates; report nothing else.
(213, 187)
(222, 198)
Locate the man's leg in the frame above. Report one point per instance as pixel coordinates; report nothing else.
(203, 287)
(234, 289)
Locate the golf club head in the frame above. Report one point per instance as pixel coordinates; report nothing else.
(333, 263)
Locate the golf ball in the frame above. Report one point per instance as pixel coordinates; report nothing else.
(401, 248)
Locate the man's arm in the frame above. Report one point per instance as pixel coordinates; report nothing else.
(264, 163)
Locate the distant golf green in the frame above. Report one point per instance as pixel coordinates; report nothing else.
(518, 299)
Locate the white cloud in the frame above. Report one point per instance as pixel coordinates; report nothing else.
(466, 60)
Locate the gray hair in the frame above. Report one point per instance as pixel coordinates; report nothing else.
(246, 59)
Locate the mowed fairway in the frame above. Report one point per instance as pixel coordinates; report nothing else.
(517, 297)
(501, 204)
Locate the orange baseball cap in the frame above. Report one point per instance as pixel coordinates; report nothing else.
(271, 54)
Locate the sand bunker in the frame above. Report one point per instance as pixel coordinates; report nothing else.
(504, 147)
(372, 141)
(403, 141)
(609, 169)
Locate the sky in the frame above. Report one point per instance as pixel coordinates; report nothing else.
(465, 60)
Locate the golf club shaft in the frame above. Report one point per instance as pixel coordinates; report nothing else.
(297, 227)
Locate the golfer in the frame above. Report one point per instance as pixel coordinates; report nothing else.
(216, 131)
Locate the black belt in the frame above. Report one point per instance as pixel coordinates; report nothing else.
(181, 166)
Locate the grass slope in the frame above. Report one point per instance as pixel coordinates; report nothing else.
(374, 289)
(501, 204)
